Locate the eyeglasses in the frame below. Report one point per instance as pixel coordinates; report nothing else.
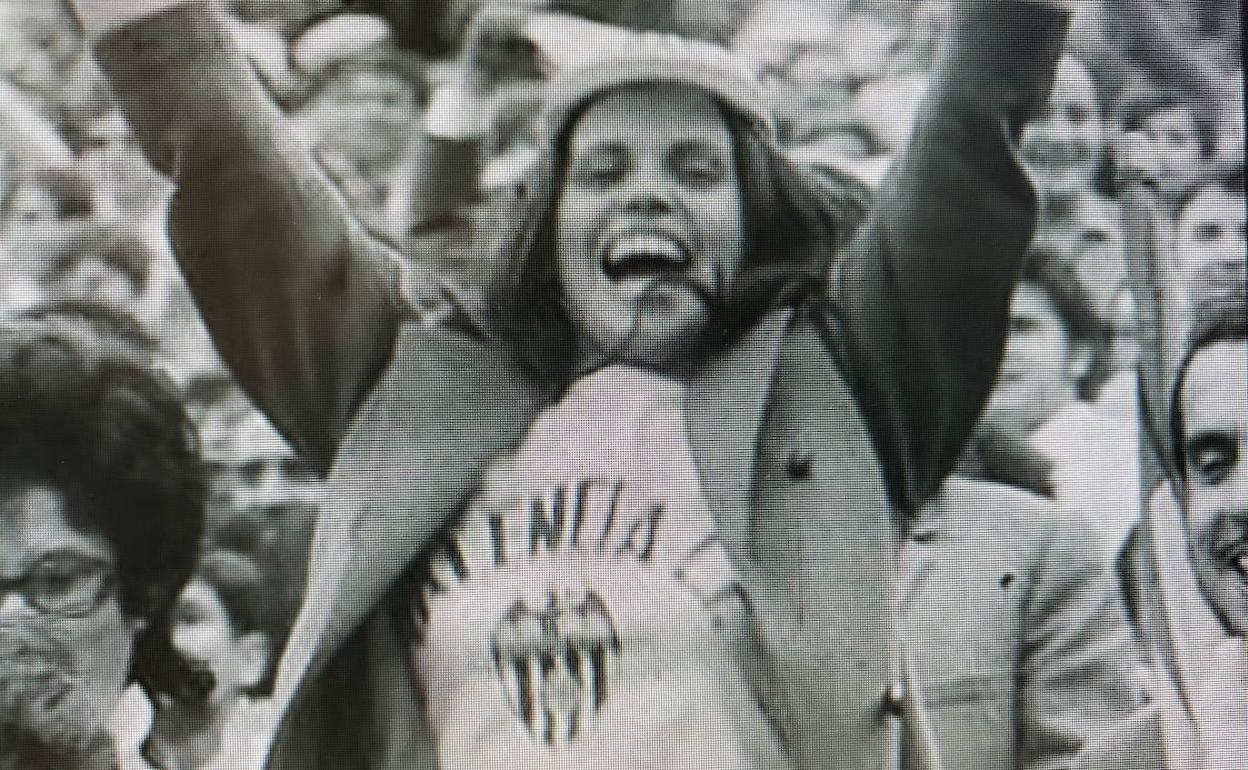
(64, 584)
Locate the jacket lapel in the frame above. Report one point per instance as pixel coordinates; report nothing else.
(446, 406)
(723, 415)
(824, 543)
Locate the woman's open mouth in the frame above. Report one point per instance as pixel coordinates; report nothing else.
(644, 255)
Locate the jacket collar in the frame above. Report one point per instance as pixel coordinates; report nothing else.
(723, 415)
(394, 485)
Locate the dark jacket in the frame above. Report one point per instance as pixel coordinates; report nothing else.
(814, 432)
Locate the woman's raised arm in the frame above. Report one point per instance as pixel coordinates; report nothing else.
(297, 296)
(923, 289)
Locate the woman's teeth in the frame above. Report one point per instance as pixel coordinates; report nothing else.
(643, 254)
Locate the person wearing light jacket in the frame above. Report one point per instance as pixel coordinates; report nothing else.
(692, 348)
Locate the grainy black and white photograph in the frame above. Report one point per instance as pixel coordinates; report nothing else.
(623, 385)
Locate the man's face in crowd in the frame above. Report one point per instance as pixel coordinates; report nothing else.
(1170, 135)
(1039, 366)
(1214, 401)
(62, 673)
(1063, 148)
(649, 223)
(1210, 244)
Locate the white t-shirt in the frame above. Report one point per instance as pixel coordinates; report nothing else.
(584, 614)
(1096, 464)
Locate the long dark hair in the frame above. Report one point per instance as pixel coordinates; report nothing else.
(795, 220)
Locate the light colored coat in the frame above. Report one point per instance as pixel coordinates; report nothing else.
(1200, 670)
(1016, 628)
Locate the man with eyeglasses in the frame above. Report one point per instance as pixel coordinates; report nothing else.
(101, 512)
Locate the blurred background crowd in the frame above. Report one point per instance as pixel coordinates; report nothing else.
(1148, 89)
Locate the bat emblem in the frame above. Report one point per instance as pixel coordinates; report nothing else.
(556, 660)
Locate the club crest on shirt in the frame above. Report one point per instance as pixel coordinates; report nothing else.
(546, 595)
(556, 661)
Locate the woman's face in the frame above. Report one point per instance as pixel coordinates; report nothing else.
(1038, 367)
(65, 642)
(649, 223)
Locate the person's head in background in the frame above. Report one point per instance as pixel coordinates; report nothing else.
(1165, 134)
(44, 197)
(1209, 431)
(278, 536)
(101, 516)
(366, 110)
(1064, 149)
(39, 44)
(106, 266)
(359, 111)
(1089, 238)
(128, 187)
(1209, 241)
(1051, 350)
(253, 464)
(363, 96)
(222, 623)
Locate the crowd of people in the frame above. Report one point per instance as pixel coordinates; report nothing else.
(265, 298)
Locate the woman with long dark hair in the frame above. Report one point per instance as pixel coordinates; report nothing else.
(647, 509)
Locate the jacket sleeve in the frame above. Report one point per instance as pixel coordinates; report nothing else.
(300, 301)
(1082, 670)
(919, 296)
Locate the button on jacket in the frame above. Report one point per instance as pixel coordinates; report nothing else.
(1016, 629)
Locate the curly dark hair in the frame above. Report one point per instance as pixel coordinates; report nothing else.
(795, 220)
(99, 424)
